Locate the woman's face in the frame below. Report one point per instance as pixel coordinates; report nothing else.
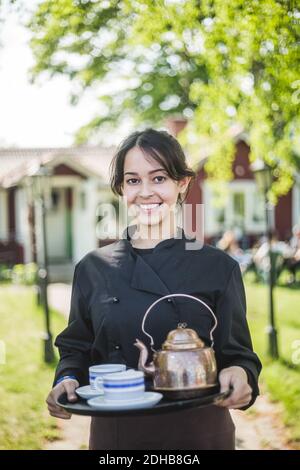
(150, 193)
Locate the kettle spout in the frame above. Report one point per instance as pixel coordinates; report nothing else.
(149, 370)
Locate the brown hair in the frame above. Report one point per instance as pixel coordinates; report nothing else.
(161, 146)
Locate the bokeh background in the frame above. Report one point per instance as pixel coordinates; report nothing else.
(76, 76)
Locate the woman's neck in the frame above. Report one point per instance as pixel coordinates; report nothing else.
(149, 236)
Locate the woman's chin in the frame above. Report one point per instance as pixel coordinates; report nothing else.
(149, 221)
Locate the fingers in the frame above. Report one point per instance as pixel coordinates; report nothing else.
(55, 410)
(58, 412)
(236, 378)
(68, 387)
(225, 381)
(240, 397)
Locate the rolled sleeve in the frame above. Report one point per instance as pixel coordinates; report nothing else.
(233, 340)
(75, 342)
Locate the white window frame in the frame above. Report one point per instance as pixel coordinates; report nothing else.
(296, 202)
(213, 227)
(3, 215)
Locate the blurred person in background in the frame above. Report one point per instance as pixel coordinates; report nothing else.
(230, 245)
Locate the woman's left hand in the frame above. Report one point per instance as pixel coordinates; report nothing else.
(235, 377)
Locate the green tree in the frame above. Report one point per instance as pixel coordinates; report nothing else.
(218, 63)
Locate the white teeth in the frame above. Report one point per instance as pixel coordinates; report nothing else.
(148, 206)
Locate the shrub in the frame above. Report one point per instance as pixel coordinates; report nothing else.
(24, 274)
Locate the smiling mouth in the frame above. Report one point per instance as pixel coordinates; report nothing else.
(148, 208)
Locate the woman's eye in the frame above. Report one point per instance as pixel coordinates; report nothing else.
(130, 180)
(161, 180)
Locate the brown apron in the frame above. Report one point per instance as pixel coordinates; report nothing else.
(193, 429)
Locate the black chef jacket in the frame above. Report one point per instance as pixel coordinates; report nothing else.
(114, 285)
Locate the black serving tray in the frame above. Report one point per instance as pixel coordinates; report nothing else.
(80, 407)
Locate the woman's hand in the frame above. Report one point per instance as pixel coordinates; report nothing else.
(67, 386)
(235, 377)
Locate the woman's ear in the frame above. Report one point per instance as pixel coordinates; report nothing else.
(183, 184)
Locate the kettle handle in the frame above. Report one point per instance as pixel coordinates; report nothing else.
(180, 295)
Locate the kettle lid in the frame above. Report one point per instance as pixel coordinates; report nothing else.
(182, 338)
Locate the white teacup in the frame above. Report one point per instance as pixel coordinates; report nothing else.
(127, 385)
(97, 372)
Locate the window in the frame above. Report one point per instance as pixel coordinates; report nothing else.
(55, 195)
(258, 215)
(239, 205)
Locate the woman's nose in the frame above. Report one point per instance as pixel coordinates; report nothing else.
(145, 191)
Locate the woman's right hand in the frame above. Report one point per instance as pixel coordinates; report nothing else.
(67, 386)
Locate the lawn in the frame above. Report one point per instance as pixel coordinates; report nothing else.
(281, 378)
(25, 380)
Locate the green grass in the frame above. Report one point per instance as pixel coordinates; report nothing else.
(25, 379)
(282, 377)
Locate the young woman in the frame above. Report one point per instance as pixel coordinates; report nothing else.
(113, 286)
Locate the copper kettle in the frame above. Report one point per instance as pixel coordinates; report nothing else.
(185, 367)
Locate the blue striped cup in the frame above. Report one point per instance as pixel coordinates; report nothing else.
(97, 372)
(128, 385)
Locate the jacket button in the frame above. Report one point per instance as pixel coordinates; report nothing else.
(117, 346)
(115, 300)
(169, 300)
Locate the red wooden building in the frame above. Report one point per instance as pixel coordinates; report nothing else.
(243, 208)
(81, 180)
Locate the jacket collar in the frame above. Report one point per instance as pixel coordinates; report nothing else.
(142, 276)
(179, 235)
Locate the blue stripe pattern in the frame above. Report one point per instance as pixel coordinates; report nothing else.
(128, 385)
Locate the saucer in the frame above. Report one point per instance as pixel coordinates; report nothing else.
(147, 400)
(87, 392)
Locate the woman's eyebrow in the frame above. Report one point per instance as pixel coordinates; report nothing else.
(149, 172)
